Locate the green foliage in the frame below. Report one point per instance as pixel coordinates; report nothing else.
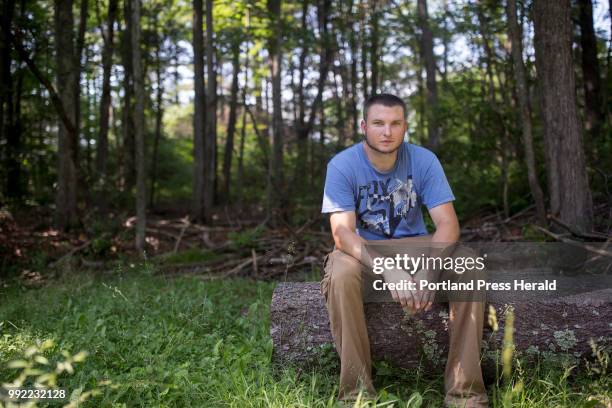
(247, 238)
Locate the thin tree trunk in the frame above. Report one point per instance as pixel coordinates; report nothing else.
(568, 183)
(275, 184)
(105, 103)
(159, 116)
(374, 45)
(7, 121)
(199, 118)
(66, 195)
(240, 181)
(340, 120)
(433, 129)
(525, 110)
(210, 136)
(128, 151)
(89, 100)
(445, 43)
(421, 107)
(302, 136)
(364, 50)
(177, 75)
(593, 101)
(139, 123)
(353, 101)
(231, 125)
(14, 171)
(79, 66)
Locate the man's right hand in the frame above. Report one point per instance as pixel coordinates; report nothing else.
(404, 297)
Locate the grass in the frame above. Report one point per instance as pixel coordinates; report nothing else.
(188, 342)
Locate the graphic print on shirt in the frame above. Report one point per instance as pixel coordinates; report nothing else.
(387, 202)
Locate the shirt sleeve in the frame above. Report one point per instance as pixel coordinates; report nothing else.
(338, 191)
(436, 190)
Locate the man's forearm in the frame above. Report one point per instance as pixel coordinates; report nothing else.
(352, 244)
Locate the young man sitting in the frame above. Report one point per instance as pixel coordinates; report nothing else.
(374, 190)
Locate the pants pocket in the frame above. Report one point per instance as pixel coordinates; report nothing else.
(326, 273)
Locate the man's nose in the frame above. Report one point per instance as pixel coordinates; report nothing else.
(387, 130)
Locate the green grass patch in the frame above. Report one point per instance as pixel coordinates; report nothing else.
(188, 342)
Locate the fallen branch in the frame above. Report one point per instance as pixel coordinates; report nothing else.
(178, 241)
(70, 253)
(587, 235)
(563, 239)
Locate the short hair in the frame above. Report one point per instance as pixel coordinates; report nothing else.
(384, 99)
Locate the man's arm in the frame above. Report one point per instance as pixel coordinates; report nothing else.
(446, 235)
(447, 225)
(346, 239)
(343, 225)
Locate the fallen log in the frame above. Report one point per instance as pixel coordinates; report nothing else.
(543, 326)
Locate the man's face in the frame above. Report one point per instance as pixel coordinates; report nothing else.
(384, 129)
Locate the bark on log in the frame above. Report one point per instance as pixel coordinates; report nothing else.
(300, 326)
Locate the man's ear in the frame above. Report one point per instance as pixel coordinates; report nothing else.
(362, 125)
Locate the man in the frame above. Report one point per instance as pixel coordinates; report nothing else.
(374, 191)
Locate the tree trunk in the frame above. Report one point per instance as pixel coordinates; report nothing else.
(7, 120)
(105, 103)
(364, 49)
(301, 134)
(199, 118)
(445, 43)
(66, 76)
(159, 116)
(139, 124)
(421, 107)
(210, 134)
(299, 327)
(275, 178)
(240, 181)
(127, 117)
(354, 79)
(79, 66)
(568, 183)
(525, 109)
(593, 101)
(426, 39)
(374, 45)
(231, 125)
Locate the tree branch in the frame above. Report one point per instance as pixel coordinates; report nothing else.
(16, 40)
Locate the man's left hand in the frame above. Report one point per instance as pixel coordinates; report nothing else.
(423, 298)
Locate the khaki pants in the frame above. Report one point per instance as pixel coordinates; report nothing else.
(342, 288)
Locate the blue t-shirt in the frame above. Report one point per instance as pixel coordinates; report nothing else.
(387, 205)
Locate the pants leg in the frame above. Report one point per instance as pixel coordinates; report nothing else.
(342, 289)
(463, 381)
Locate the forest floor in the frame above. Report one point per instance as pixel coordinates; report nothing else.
(233, 246)
(155, 340)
